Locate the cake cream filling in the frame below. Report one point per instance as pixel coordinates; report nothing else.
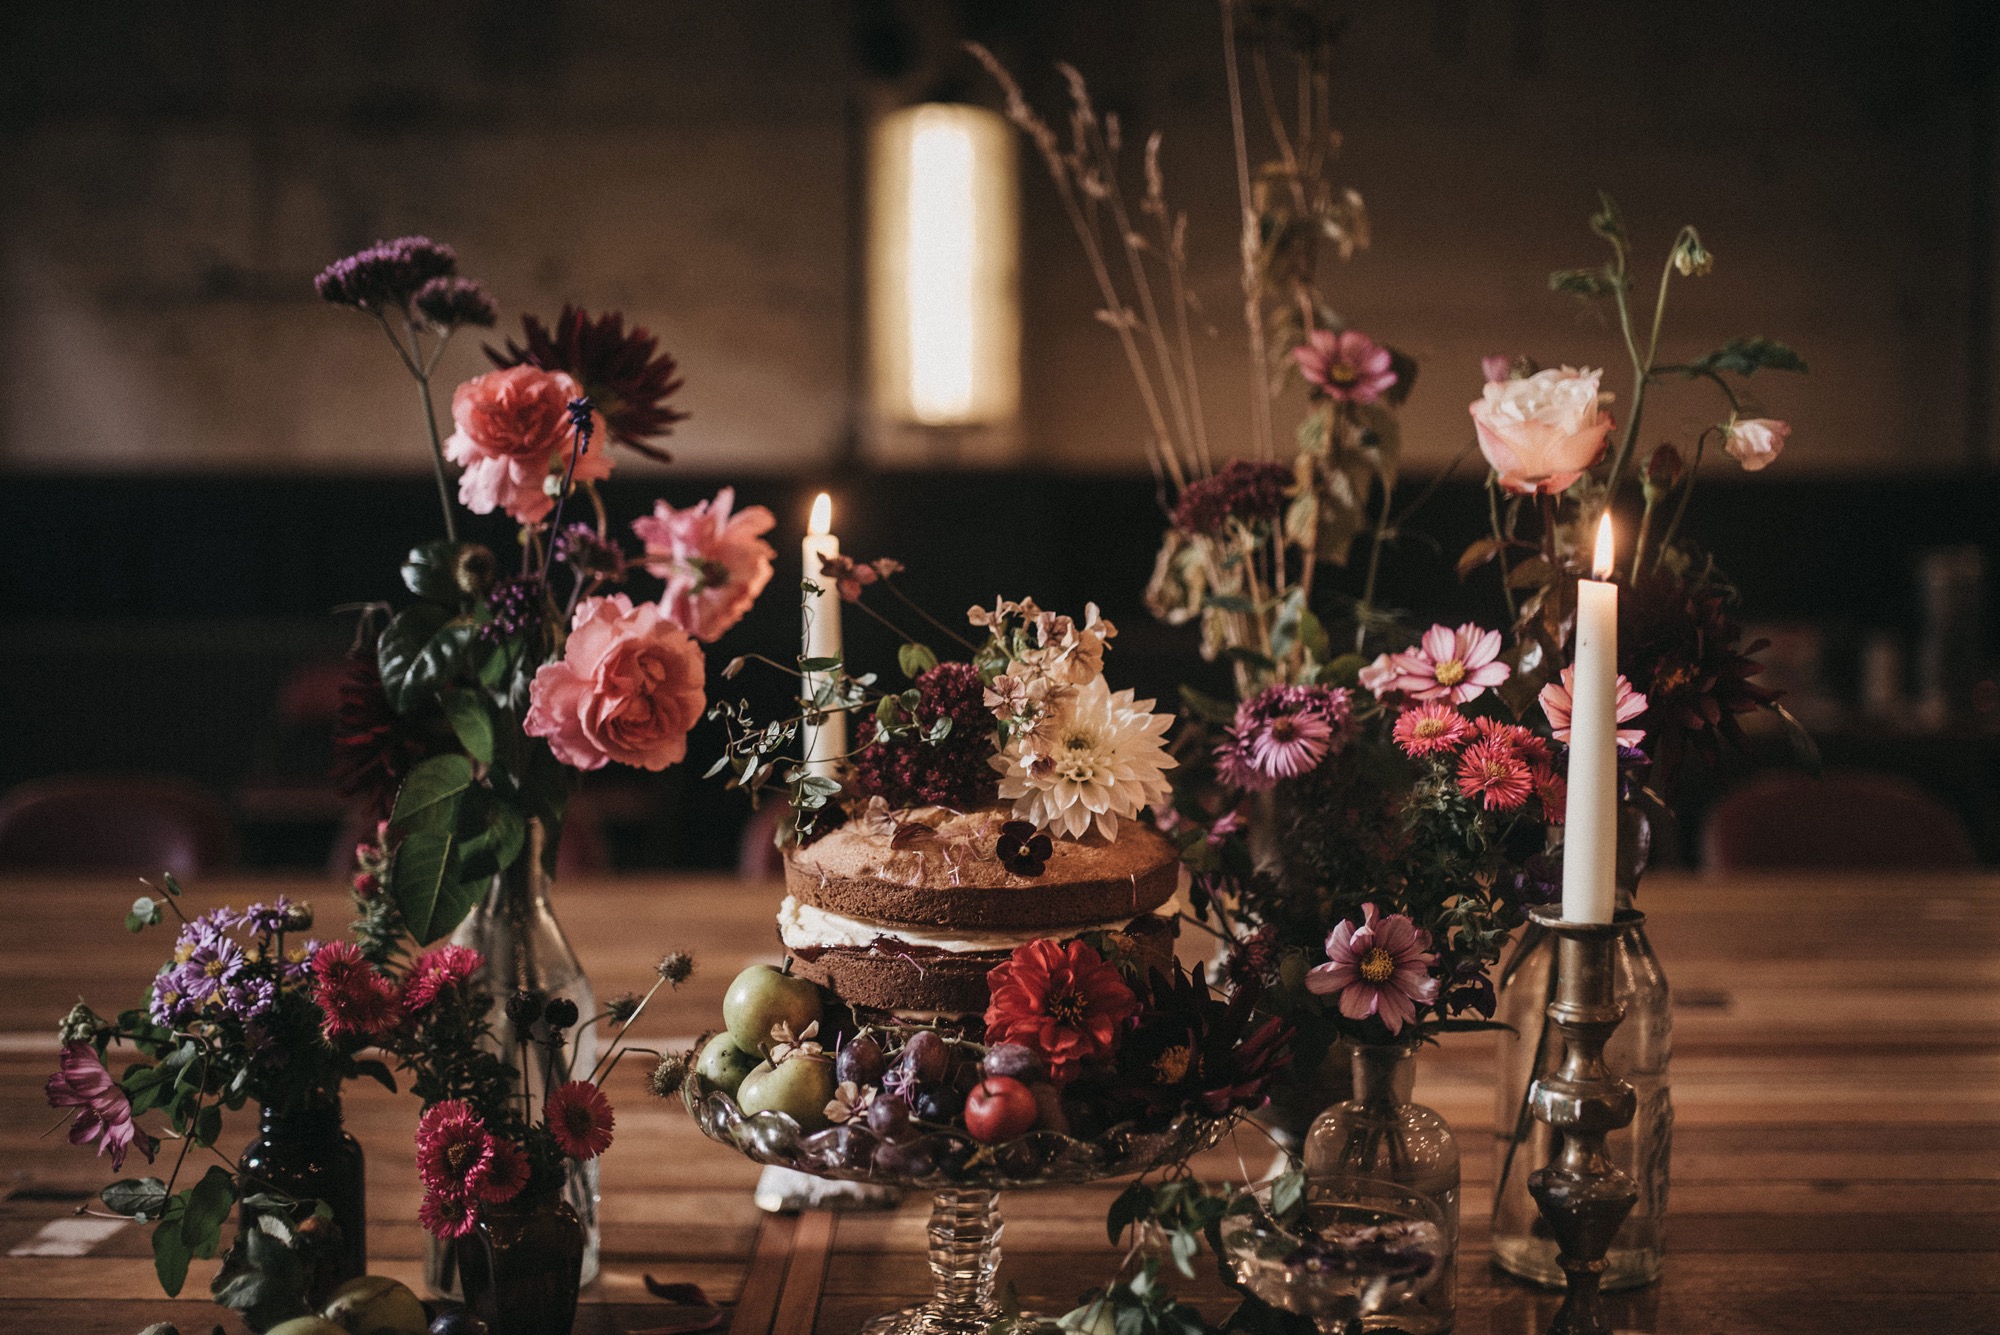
(804, 927)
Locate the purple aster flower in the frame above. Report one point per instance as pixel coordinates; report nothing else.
(446, 303)
(249, 999)
(296, 970)
(269, 919)
(387, 274)
(1281, 733)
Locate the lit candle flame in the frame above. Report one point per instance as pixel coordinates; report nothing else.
(821, 522)
(1600, 568)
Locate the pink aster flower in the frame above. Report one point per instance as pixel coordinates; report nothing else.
(1430, 728)
(1282, 732)
(103, 1114)
(448, 1217)
(437, 971)
(1553, 790)
(1495, 773)
(1455, 665)
(1381, 968)
(353, 998)
(1556, 704)
(713, 561)
(1349, 367)
(580, 1118)
(454, 1150)
(506, 1173)
(1531, 747)
(513, 434)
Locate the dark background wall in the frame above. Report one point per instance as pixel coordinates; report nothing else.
(198, 460)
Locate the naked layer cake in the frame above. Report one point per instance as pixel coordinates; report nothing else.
(906, 912)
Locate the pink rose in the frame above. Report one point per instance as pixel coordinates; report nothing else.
(1539, 433)
(628, 688)
(714, 563)
(513, 433)
(1755, 441)
(1349, 366)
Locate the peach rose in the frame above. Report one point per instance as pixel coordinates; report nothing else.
(628, 688)
(713, 561)
(1540, 432)
(513, 433)
(1756, 441)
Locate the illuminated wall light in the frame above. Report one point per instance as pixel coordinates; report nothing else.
(944, 268)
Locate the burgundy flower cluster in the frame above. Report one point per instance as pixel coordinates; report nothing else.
(1249, 493)
(954, 772)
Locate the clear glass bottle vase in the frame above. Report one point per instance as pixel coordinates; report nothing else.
(1640, 1050)
(1380, 1136)
(515, 929)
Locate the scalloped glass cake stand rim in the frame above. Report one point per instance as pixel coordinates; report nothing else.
(965, 1178)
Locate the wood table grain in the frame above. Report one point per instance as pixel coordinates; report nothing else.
(1836, 1153)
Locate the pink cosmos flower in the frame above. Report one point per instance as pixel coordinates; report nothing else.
(1539, 433)
(353, 998)
(1494, 772)
(1756, 442)
(1349, 367)
(1556, 705)
(714, 562)
(454, 1150)
(437, 971)
(580, 1118)
(628, 688)
(513, 433)
(1430, 728)
(1381, 968)
(1379, 677)
(1455, 665)
(103, 1114)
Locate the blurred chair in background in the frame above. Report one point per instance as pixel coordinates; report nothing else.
(108, 823)
(1782, 820)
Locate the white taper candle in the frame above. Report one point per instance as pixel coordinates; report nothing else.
(1590, 834)
(826, 742)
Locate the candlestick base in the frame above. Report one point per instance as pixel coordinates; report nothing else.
(1582, 1193)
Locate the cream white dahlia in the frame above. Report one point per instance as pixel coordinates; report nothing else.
(1099, 761)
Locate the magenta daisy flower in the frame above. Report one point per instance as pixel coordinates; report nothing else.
(446, 1216)
(1557, 702)
(354, 999)
(454, 1150)
(506, 1174)
(1455, 665)
(1430, 728)
(579, 1117)
(1349, 367)
(1381, 968)
(1494, 772)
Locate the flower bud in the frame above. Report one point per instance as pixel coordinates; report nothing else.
(523, 1009)
(1663, 471)
(560, 1013)
(473, 569)
(666, 1078)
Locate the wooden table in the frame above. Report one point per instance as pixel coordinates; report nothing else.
(1836, 1164)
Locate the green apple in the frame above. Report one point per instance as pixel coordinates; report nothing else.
(799, 1085)
(376, 1305)
(762, 996)
(723, 1064)
(307, 1325)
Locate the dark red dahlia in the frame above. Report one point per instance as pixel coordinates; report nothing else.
(622, 371)
(1191, 1049)
(373, 745)
(1680, 646)
(909, 771)
(1250, 493)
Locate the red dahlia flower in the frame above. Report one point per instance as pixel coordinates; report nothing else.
(1062, 1001)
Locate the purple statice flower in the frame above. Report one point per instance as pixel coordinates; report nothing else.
(1281, 733)
(387, 274)
(446, 303)
(516, 605)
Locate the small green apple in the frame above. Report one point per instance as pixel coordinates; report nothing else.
(306, 1325)
(799, 1085)
(762, 996)
(723, 1064)
(376, 1305)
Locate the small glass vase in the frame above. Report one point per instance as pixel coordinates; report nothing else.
(521, 1265)
(302, 1151)
(1640, 1051)
(1379, 1136)
(516, 931)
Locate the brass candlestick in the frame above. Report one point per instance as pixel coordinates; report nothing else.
(1582, 1194)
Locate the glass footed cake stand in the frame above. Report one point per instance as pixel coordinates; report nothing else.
(965, 1177)
(1359, 1248)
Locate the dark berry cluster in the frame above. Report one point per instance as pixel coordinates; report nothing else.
(1250, 493)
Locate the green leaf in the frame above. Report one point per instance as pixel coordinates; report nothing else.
(420, 651)
(1207, 708)
(208, 1126)
(472, 724)
(170, 1253)
(1805, 749)
(1746, 356)
(141, 1198)
(424, 867)
(915, 659)
(145, 912)
(818, 664)
(491, 832)
(1343, 671)
(1228, 602)
(1185, 1246)
(428, 800)
(428, 571)
(1132, 1204)
(208, 1204)
(376, 1071)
